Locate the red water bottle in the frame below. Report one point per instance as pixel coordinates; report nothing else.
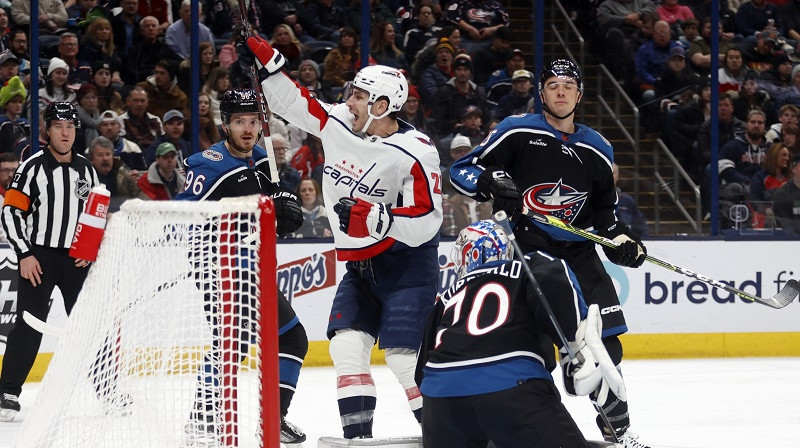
(91, 225)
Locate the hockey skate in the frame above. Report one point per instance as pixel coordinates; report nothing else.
(291, 433)
(9, 406)
(627, 439)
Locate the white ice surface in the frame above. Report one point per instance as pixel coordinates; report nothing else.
(708, 403)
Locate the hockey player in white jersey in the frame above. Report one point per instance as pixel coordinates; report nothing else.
(382, 190)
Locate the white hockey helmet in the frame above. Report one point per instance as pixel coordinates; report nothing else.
(380, 81)
(479, 243)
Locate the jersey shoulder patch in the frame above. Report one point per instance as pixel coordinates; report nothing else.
(214, 156)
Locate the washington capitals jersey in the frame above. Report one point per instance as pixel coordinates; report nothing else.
(215, 174)
(489, 331)
(567, 176)
(401, 170)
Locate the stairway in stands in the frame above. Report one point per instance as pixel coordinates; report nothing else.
(671, 220)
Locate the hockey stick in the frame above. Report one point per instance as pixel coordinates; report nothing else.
(784, 297)
(41, 326)
(501, 219)
(245, 32)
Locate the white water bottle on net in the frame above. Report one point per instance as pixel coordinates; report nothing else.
(173, 339)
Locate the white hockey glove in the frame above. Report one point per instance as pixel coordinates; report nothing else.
(360, 219)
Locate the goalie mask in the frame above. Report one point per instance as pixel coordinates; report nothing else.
(479, 243)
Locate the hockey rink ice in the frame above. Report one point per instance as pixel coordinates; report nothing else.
(708, 403)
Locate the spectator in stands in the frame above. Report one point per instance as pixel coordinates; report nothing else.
(490, 58)
(436, 76)
(80, 72)
(456, 95)
(677, 79)
(499, 84)
(326, 19)
(315, 218)
(310, 158)
(787, 114)
(777, 77)
(9, 162)
(98, 44)
(162, 90)
(55, 88)
(729, 127)
(775, 171)
(471, 125)
(208, 62)
(107, 97)
(179, 34)
(478, 20)
(128, 152)
(4, 29)
(219, 17)
(691, 32)
(673, 13)
(741, 157)
(383, 49)
(18, 45)
(289, 177)
(412, 112)
(627, 210)
(341, 63)
(681, 126)
(162, 10)
(141, 127)
(9, 66)
(15, 131)
(208, 133)
(144, 54)
(52, 15)
(423, 31)
(699, 52)
(173, 123)
(126, 26)
(426, 57)
(617, 21)
(89, 115)
(786, 198)
(790, 14)
(758, 56)
(378, 12)
(651, 59)
(751, 97)
(216, 85)
(112, 173)
(757, 15)
(308, 76)
(790, 137)
(516, 102)
(285, 41)
(732, 71)
(162, 181)
(463, 210)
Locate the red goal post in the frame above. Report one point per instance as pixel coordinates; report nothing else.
(176, 324)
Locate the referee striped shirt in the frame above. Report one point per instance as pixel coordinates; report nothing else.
(44, 201)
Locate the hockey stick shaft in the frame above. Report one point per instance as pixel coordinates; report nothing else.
(41, 326)
(266, 139)
(783, 298)
(502, 219)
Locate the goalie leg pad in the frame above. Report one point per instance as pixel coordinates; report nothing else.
(402, 362)
(350, 350)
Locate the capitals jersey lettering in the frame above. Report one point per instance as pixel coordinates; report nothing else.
(215, 174)
(567, 176)
(489, 331)
(401, 170)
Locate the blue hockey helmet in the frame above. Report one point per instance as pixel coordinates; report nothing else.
(479, 243)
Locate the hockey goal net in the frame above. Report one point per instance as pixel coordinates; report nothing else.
(173, 339)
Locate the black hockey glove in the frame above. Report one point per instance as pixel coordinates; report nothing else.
(630, 251)
(498, 185)
(288, 214)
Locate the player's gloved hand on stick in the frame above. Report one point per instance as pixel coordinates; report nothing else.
(630, 251)
(288, 214)
(498, 185)
(360, 219)
(256, 50)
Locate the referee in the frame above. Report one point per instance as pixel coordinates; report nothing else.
(39, 216)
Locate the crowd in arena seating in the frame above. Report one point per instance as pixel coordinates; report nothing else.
(125, 64)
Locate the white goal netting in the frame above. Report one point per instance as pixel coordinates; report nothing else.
(162, 346)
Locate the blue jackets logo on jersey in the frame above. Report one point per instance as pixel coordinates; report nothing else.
(212, 155)
(555, 199)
